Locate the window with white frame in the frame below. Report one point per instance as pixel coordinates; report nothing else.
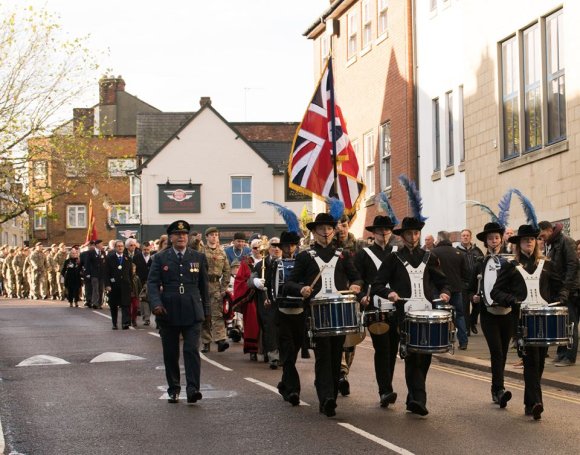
(135, 197)
(119, 166)
(532, 63)
(352, 33)
(382, 25)
(324, 48)
(40, 173)
(367, 22)
(241, 192)
(39, 218)
(369, 156)
(120, 213)
(436, 136)
(449, 120)
(76, 216)
(385, 150)
(73, 168)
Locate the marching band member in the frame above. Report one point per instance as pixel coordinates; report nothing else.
(324, 263)
(368, 261)
(512, 287)
(412, 272)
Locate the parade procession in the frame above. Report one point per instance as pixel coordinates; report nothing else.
(393, 267)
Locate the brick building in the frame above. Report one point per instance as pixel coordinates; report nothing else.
(372, 47)
(85, 160)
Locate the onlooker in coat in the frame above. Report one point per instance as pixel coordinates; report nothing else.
(71, 273)
(472, 254)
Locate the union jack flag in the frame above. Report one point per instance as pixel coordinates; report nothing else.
(312, 158)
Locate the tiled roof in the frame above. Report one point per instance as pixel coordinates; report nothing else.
(153, 130)
(266, 131)
(275, 153)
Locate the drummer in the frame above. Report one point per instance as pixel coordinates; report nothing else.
(367, 262)
(305, 281)
(511, 289)
(497, 322)
(394, 283)
(291, 323)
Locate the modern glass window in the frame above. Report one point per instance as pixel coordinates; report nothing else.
(352, 34)
(369, 157)
(119, 166)
(382, 25)
(385, 150)
(39, 218)
(449, 120)
(555, 77)
(76, 216)
(120, 213)
(532, 88)
(436, 136)
(510, 98)
(135, 197)
(367, 23)
(241, 193)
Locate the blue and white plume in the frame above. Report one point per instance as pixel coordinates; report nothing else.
(290, 218)
(384, 203)
(414, 196)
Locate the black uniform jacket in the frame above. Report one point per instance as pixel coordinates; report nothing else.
(366, 266)
(189, 304)
(510, 287)
(306, 269)
(392, 276)
(118, 279)
(453, 264)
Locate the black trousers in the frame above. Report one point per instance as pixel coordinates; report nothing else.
(291, 338)
(73, 292)
(125, 313)
(498, 331)
(328, 353)
(88, 291)
(386, 347)
(191, 358)
(534, 360)
(416, 369)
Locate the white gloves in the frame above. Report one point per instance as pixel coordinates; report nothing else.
(259, 283)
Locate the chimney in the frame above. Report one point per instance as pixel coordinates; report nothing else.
(108, 88)
(83, 121)
(204, 100)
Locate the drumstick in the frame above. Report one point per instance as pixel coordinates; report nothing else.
(317, 276)
(554, 303)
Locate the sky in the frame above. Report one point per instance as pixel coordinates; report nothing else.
(249, 56)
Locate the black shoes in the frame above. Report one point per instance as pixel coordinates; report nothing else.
(294, 399)
(417, 408)
(343, 386)
(328, 407)
(253, 357)
(387, 399)
(503, 396)
(125, 326)
(274, 364)
(194, 397)
(305, 354)
(494, 397)
(205, 348)
(474, 329)
(537, 410)
(173, 398)
(463, 347)
(222, 346)
(115, 327)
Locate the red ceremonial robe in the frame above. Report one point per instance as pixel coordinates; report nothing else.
(246, 299)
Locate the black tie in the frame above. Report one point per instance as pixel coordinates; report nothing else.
(180, 256)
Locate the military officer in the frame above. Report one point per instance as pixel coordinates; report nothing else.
(219, 278)
(179, 298)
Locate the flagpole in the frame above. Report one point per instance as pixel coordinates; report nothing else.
(333, 125)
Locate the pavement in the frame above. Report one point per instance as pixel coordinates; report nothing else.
(477, 357)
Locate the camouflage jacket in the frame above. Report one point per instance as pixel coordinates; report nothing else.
(218, 266)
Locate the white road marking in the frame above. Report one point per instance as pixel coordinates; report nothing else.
(214, 363)
(2, 443)
(102, 314)
(155, 334)
(115, 357)
(271, 388)
(376, 439)
(42, 360)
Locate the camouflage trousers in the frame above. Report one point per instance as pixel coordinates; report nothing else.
(216, 331)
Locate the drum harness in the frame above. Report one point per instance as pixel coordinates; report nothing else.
(379, 302)
(492, 265)
(327, 272)
(284, 267)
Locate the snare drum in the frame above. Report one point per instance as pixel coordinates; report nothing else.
(334, 315)
(378, 322)
(546, 326)
(428, 332)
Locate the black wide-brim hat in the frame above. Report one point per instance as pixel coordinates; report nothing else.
(525, 230)
(490, 228)
(287, 238)
(322, 219)
(409, 224)
(381, 222)
(178, 226)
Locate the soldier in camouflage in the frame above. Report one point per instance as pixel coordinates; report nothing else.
(59, 259)
(8, 273)
(53, 272)
(39, 267)
(219, 278)
(18, 266)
